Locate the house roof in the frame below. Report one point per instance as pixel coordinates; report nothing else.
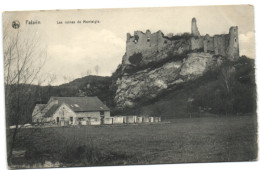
(52, 110)
(77, 104)
(82, 104)
(38, 108)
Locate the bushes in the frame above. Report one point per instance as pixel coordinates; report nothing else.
(82, 155)
(231, 93)
(136, 58)
(184, 36)
(69, 146)
(156, 64)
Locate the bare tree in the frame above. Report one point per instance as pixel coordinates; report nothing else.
(24, 58)
(97, 69)
(89, 72)
(67, 79)
(227, 80)
(227, 77)
(86, 73)
(46, 79)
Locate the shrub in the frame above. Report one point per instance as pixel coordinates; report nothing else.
(184, 36)
(136, 58)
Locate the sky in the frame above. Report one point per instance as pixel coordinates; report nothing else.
(73, 49)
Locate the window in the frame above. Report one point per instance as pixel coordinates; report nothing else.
(235, 40)
(136, 37)
(57, 119)
(71, 119)
(148, 39)
(101, 113)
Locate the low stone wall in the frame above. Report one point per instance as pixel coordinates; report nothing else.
(145, 119)
(121, 120)
(118, 120)
(139, 120)
(130, 119)
(124, 119)
(135, 119)
(108, 120)
(156, 119)
(94, 121)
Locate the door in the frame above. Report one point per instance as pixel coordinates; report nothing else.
(57, 120)
(102, 120)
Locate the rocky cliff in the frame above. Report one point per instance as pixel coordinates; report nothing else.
(149, 83)
(154, 63)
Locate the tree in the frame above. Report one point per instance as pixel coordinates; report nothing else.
(189, 106)
(24, 58)
(97, 69)
(67, 79)
(86, 73)
(227, 80)
(89, 72)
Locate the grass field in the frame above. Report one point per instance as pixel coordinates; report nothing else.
(211, 139)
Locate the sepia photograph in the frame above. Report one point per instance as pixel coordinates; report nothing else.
(129, 86)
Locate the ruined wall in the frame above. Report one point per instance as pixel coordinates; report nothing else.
(220, 44)
(224, 44)
(156, 46)
(194, 28)
(197, 43)
(208, 44)
(233, 46)
(145, 43)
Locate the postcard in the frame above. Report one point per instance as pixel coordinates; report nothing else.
(133, 86)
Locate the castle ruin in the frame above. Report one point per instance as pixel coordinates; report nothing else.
(154, 46)
(194, 28)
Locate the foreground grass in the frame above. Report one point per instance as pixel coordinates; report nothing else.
(212, 139)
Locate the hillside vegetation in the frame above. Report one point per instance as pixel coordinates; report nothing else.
(209, 94)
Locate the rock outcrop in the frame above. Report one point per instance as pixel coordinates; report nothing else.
(149, 84)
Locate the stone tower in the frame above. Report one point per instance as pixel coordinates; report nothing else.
(233, 45)
(194, 28)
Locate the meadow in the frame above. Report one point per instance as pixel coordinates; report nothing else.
(208, 139)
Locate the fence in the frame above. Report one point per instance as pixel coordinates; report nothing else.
(116, 120)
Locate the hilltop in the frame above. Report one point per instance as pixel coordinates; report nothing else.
(154, 62)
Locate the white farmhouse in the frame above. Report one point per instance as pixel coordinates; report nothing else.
(71, 111)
